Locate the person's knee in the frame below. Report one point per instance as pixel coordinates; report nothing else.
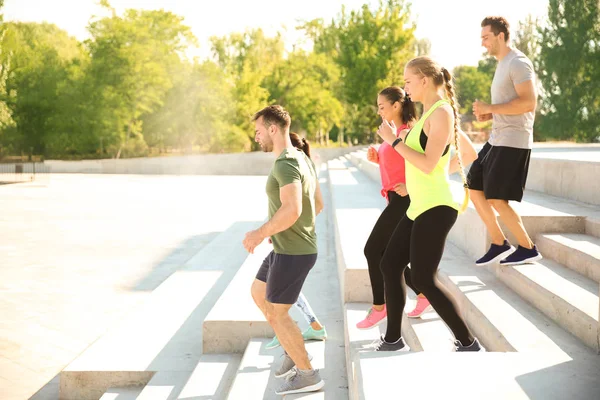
(276, 312)
(423, 283)
(498, 204)
(370, 249)
(386, 266)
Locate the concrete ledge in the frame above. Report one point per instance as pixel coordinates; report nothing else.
(211, 378)
(581, 253)
(570, 179)
(255, 378)
(491, 376)
(592, 226)
(162, 333)
(501, 319)
(355, 203)
(254, 163)
(566, 297)
(235, 319)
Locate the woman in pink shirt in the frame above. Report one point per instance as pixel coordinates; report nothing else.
(393, 105)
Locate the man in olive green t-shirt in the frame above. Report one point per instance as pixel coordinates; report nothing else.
(292, 190)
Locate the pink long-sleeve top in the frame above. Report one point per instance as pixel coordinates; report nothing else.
(391, 166)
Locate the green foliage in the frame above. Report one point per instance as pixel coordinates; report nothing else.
(569, 72)
(129, 90)
(471, 84)
(371, 48)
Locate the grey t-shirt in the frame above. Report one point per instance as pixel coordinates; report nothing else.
(511, 130)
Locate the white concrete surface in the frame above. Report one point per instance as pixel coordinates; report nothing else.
(164, 334)
(568, 298)
(78, 252)
(211, 378)
(581, 253)
(472, 376)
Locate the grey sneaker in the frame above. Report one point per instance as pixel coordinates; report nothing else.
(286, 366)
(301, 382)
(475, 346)
(398, 345)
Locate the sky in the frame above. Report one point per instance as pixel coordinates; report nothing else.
(453, 27)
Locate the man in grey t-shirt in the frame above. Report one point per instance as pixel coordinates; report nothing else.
(500, 171)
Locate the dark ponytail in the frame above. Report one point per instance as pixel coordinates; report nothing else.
(396, 94)
(300, 143)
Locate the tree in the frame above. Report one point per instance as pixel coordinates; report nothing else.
(35, 59)
(198, 110)
(371, 48)
(569, 72)
(305, 84)
(7, 124)
(133, 60)
(527, 38)
(471, 84)
(248, 59)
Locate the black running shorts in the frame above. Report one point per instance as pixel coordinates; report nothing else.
(284, 275)
(500, 172)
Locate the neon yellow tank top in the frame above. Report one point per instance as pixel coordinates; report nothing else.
(427, 191)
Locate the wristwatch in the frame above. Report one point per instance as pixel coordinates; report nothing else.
(395, 142)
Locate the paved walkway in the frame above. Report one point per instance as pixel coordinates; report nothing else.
(78, 251)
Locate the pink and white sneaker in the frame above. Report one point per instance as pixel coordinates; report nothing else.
(421, 308)
(373, 318)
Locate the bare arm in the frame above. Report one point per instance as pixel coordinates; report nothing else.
(524, 103)
(440, 129)
(468, 153)
(319, 205)
(289, 212)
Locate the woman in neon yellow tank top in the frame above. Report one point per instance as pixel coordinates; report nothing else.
(420, 236)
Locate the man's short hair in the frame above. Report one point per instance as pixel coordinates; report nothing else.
(497, 25)
(274, 115)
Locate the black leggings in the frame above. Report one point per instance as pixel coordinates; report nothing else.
(378, 241)
(420, 242)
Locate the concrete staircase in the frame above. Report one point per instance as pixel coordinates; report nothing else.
(539, 322)
(200, 336)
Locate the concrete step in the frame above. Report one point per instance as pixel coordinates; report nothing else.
(541, 213)
(211, 379)
(472, 376)
(358, 338)
(566, 178)
(164, 333)
(122, 393)
(255, 378)
(581, 253)
(502, 320)
(356, 202)
(235, 319)
(592, 227)
(568, 298)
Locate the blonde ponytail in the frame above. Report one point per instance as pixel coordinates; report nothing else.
(449, 86)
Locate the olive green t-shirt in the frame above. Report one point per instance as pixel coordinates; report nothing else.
(291, 166)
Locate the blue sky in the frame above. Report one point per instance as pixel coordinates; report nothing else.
(451, 26)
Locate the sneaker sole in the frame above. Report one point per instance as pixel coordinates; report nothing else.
(311, 388)
(525, 261)
(381, 321)
(498, 258)
(322, 339)
(427, 309)
(271, 347)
